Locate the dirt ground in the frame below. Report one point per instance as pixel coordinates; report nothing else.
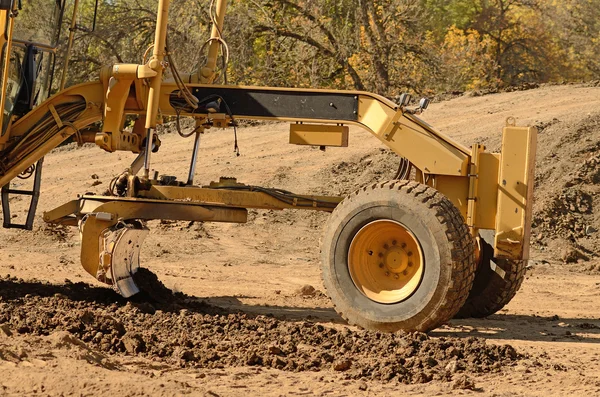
(249, 315)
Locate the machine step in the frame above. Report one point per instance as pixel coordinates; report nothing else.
(34, 193)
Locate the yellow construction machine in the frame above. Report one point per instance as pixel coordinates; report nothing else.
(401, 254)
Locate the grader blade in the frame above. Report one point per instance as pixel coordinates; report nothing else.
(120, 257)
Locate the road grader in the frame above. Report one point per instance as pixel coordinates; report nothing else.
(449, 237)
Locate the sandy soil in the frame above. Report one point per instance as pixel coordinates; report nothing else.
(252, 275)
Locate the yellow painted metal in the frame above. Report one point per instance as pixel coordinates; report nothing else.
(156, 63)
(407, 135)
(238, 198)
(412, 138)
(319, 135)
(515, 192)
(439, 161)
(385, 261)
(476, 151)
(37, 154)
(487, 192)
(112, 136)
(63, 79)
(66, 214)
(91, 232)
(146, 209)
(456, 188)
(6, 34)
(89, 93)
(101, 213)
(208, 71)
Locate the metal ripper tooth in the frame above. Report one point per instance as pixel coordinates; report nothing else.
(120, 257)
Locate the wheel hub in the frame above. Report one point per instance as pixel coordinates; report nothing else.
(396, 259)
(385, 261)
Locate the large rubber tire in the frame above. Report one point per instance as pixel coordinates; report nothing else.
(490, 291)
(448, 256)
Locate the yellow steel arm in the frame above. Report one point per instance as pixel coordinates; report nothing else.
(45, 127)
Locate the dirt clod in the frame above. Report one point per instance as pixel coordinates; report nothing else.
(151, 288)
(5, 331)
(342, 365)
(463, 382)
(306, 290)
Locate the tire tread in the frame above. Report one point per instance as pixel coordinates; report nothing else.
(457, 233)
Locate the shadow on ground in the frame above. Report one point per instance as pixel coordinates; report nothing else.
(525, 327)
(496, 327)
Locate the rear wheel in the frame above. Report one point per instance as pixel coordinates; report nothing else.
(397, 255)
(496, 282)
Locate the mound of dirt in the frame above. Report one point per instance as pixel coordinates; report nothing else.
(189, 333)
(347, 176)
(567, 209)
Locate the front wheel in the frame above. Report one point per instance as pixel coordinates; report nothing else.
(397, 256)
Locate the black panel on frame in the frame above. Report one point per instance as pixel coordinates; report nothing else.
(280, 103)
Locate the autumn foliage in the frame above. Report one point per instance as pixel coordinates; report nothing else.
(385, 46)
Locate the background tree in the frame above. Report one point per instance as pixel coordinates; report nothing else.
(385, 46)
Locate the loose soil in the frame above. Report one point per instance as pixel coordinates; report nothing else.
(186, 332)
(242, 310)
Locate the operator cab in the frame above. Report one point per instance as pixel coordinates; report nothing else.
(28, 52)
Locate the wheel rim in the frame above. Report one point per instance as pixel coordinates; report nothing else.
(385, 261)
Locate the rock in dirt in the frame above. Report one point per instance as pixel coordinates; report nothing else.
(463, 382)
(275, 350)
(306, 290)
(572, 255)
(452, 366)
(342, 365)
(5, 331)
(66, 340)
(133, 343)
(567, 187)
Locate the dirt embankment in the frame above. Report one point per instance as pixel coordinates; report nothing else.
(566, 218)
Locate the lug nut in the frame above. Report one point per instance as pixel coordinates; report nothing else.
(396, 276)
(409, 253)
(381, 265)
(410, 264)
(405, 272)
(387, 274)
(381, 254)
(394, 242)
(403, 245)
(385, 246)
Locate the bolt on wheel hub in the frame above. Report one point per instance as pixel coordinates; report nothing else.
(385, 261)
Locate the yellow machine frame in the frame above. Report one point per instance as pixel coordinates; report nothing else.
(491, 190)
